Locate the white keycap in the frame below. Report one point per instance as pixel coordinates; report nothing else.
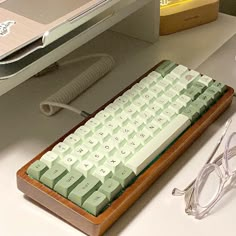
(61, 149)
(171, 78)
(183, 99)
(163, 101)
(156, 90)
(108, 148)
(153, 128)
(131, 94)
(118, 140)
(163, 84)
(169, 114)
(134, 144)
(161, 121)
(49, 158)
(91, 143)
(68, 161)
(141, 89)
(147, 154)
(113, 164)
(81, 152)
(179, 70)
(97, 158)
(137, 124)
(206, 80)
(124, 154)
(122, 119)
(122, 101)
(178, 89)
(144, 136)
(155, 109)
(103, 116)
(149, 97)
(112, 127)
(83, 132)
(188, 78)
(102, 173)
(140, 104)
(177, 107)
(146, 116)
(93, 124)
(102, 135)
(85, 167)
(72, 140)
(113, 109)
(171, 95)
(131, 111)
(127, 131)
(155, 75)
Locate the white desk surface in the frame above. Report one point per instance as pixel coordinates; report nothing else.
(25, 132)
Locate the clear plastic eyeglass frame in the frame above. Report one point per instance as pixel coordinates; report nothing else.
(200, 196)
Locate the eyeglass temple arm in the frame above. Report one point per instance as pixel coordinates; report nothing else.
(178, 192)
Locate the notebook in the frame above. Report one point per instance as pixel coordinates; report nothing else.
(32, 24)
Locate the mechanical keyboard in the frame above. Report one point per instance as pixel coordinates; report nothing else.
(91, 175)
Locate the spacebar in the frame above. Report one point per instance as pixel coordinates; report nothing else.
(151, 150)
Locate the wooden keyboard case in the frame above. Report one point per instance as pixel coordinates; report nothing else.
(90, 224)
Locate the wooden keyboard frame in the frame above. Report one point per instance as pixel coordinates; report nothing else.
(90, 224)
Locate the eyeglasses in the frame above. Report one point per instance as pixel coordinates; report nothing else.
(215, 178)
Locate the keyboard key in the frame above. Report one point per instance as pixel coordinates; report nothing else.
(102, 173)
(62, 149)
(179, 71)
(53, 175)
(83, 132)
(49, 158)
(111, 188)
(85, 167)
(68, 161)
(124, 176)
(83, 190)
(166, 136)
(187, 79)
(206, 80)
(165, 68)
(37, 169)
(72, 140)
(68, 183)
(95, 203)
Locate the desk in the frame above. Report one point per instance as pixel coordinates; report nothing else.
(25, 132)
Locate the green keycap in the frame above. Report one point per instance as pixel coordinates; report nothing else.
(37, 169)
(124, 176)
(95, 203)
(206, 99)
(192, 92)
(165, 68)
(111, 188)
(219, 86)
(200, 86)
(213, 92)
(68, 182)
(191, 113)
(83, 190)
(199, 106)
(53, 175)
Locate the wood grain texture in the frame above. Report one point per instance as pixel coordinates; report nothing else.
(92, 225)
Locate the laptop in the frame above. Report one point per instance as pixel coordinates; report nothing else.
(29, 25)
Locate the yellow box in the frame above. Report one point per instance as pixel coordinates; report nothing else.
(177, 15)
